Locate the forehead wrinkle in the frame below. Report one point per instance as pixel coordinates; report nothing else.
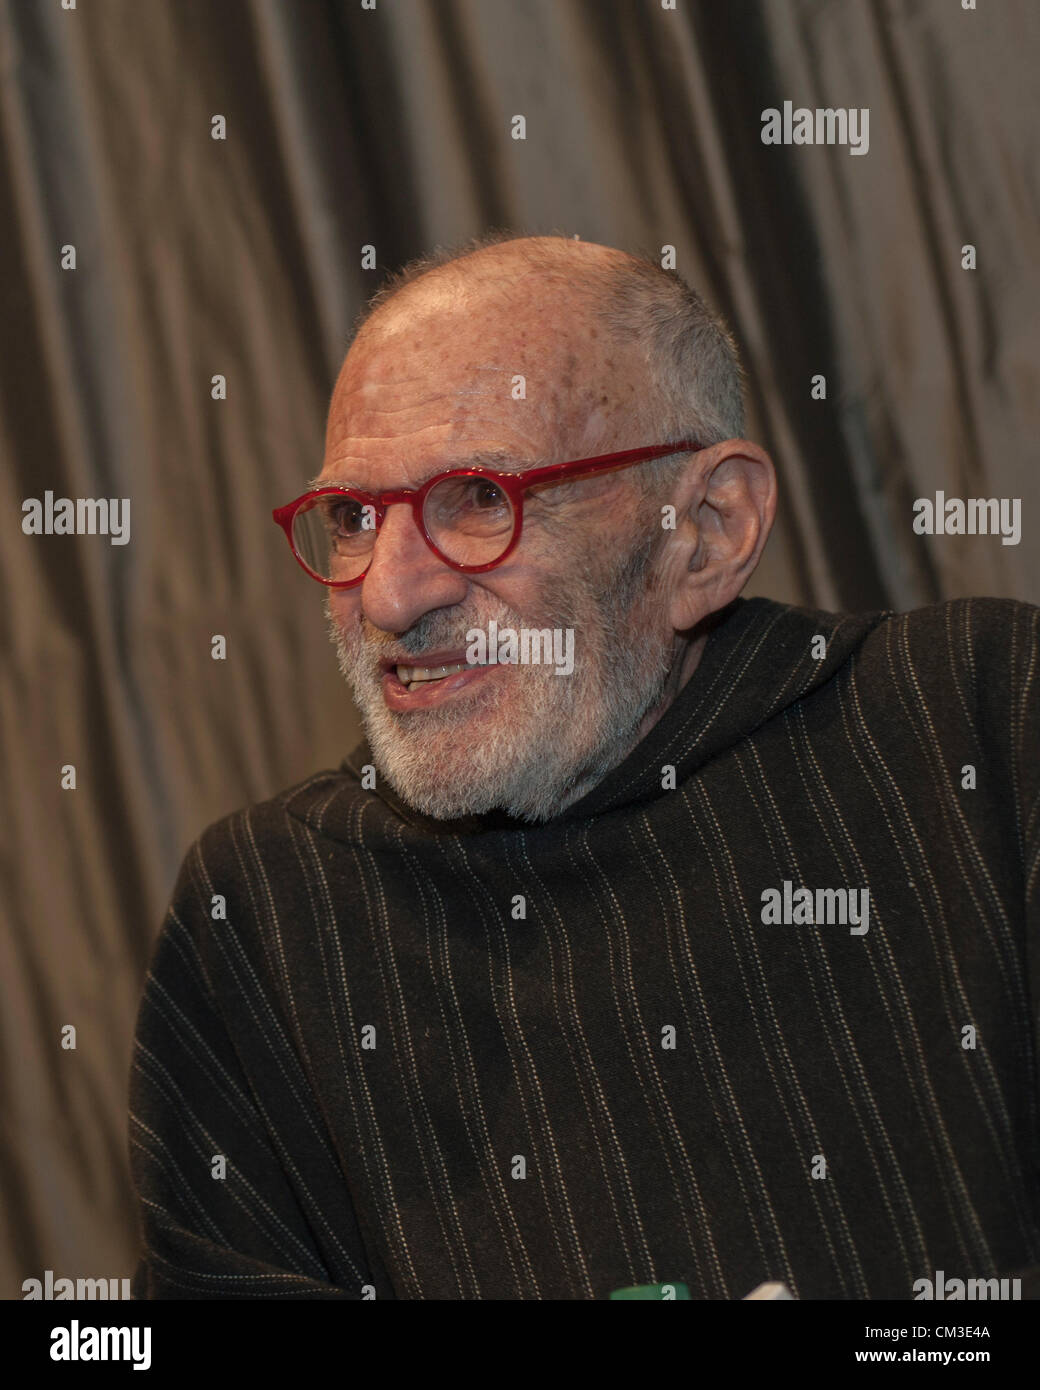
(476, 458)
(453, 453)
(371, 383)
(337, 429)
(478, 405)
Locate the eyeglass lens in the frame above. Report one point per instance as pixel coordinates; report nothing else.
(469, 520)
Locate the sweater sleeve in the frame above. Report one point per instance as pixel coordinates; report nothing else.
(1025, 726)
(226, 1209)
(986, 656)
(1022, 693)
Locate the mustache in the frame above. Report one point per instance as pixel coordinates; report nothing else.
(609, 594)
(368, 645)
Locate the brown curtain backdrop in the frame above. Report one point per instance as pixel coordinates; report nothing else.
(242, 257)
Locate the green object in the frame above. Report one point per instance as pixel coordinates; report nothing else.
(667, 1292)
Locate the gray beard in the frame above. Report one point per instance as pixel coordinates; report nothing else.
(535, 742)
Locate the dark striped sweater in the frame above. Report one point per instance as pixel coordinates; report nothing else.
(521, 1128)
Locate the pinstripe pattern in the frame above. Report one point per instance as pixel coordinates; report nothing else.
(394, 1167)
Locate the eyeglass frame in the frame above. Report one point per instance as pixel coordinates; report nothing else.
(514, 485)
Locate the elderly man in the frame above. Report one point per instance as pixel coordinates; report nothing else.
(653, 935)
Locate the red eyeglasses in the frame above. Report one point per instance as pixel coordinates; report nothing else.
(470, 518)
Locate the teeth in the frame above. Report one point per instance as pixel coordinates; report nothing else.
(416, 675)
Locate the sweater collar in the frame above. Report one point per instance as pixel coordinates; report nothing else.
(760, 657)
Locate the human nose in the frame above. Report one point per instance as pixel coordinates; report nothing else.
(405, 579)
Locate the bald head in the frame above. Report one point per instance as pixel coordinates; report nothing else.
(677, 357)
(583, 271)
(518, 327)
(509, 356)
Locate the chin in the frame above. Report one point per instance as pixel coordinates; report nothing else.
(458, 789)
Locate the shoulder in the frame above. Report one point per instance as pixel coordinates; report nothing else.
(967, 664)
(249, 876)
(244, 844)
(973, 637)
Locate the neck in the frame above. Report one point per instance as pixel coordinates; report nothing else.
(688, 651)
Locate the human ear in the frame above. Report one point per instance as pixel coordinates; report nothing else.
(726, 511)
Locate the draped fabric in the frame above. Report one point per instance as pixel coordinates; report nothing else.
(184, 358)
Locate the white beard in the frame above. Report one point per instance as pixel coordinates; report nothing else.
(533, 742)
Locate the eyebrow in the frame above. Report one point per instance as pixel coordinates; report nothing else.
(501, 459)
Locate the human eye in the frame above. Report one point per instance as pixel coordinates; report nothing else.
(343, 516)
(469, 504)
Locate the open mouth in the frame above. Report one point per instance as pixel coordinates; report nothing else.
(444, 676)
(413, 676)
